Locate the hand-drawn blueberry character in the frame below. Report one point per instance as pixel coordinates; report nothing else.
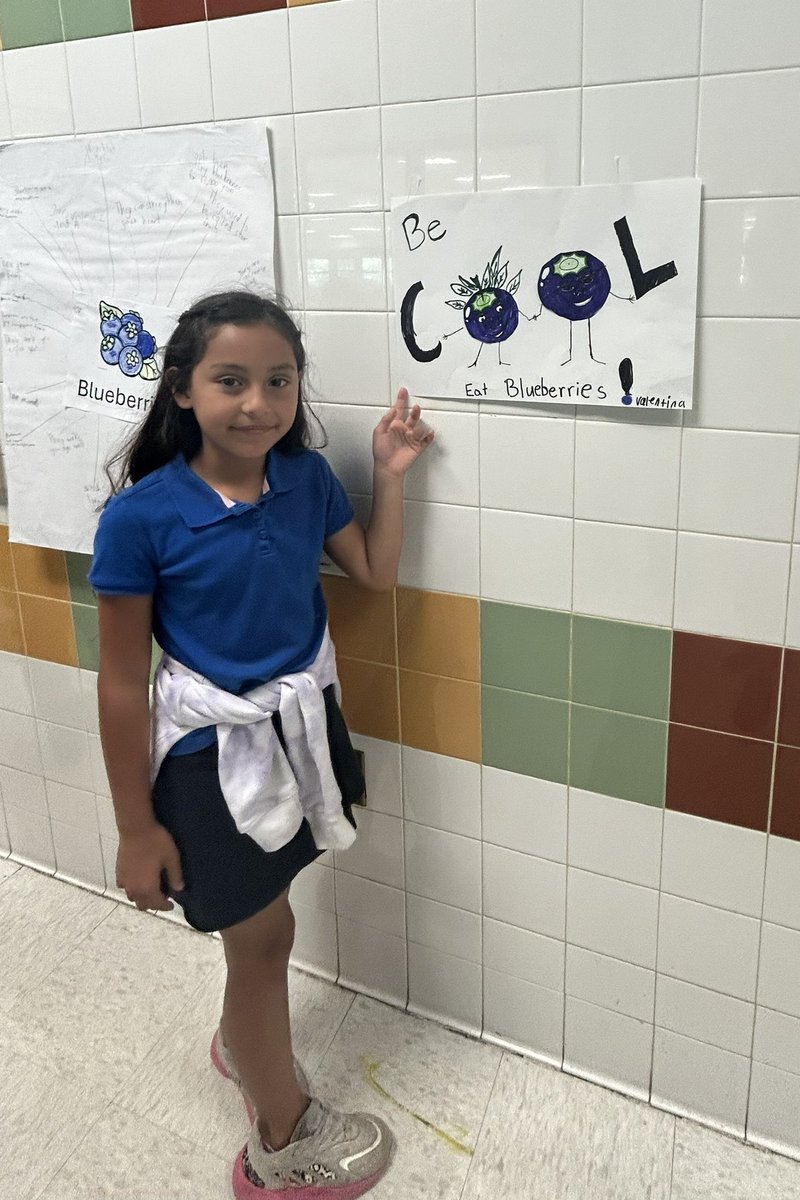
(491, 314)
(575, 285)
(125, 342)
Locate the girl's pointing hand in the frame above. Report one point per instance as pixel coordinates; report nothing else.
(400, 436)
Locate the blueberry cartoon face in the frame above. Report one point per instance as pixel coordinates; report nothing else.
(125, 343)
(574, 285)
(491, 315)
(110, 350)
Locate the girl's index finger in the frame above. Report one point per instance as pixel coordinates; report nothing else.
(401, 403)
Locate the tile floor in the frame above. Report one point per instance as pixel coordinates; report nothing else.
(107, 1092)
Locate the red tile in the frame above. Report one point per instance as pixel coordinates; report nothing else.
(718, 683)
(720, 777)
(152, 14)
(240, 8)
(790, 700)
(786, 797)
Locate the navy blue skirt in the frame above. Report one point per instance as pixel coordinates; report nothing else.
(227, 876)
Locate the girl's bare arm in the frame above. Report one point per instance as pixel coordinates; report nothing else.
(145, 847)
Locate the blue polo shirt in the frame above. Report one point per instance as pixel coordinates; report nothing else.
(236, 592)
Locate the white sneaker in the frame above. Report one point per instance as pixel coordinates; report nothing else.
(331, 1154)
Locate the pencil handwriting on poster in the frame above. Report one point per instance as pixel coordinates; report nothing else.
(560, 292)
(104, 240)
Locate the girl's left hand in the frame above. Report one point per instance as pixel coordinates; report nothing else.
(400, 436)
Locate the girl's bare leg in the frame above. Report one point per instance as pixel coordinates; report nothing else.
(255, 1018)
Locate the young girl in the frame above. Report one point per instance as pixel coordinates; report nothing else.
(245, 773)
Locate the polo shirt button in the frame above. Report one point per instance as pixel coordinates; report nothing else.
(262, 533)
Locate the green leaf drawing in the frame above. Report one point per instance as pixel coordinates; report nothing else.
(492, 269)
(459, 304)
(512, 287)
(149, 369)
(459, 290)
(107, 311)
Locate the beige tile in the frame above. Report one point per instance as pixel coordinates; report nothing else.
(441, 715)
(176, 1086)
(575, 1140)
(40, 572)
(361, 621)
(126, 1158)
(369, 699)
(48, 629)
(430, 1085)
(44, 1116)
(41, 921)
(105, 1006)
(708, 1165)
(11, 638)
(438, 633)
(7, 577)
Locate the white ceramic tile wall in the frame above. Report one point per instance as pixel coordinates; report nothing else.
(250, 70)
(495, 900)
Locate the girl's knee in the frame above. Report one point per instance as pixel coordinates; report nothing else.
(266, 938)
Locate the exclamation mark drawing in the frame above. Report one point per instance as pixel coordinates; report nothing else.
(626, 379)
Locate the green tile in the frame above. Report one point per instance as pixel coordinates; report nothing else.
(526, 734)
(93, 18)
(622, 667)
(87, 636)
(77, 569)
(526, 649)
(29, 23)
(618, 755)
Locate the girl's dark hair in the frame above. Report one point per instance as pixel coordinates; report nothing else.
(168, 430)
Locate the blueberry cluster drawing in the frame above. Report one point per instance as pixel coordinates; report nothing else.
(125, 343)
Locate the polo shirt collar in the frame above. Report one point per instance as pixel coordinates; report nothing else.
(197, 502)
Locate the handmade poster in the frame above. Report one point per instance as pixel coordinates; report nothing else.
(104, 240)
(561, 296)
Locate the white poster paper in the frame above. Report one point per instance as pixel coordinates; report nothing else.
(564, 296)
(104, 240)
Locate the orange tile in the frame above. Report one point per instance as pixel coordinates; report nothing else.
(7, 579)
(10, 624)
(441, 715)
(439, 634)
(361, 621)
(40, 572)
(48, 629)
(369, 699)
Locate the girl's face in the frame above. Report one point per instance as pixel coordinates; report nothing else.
(244, 391)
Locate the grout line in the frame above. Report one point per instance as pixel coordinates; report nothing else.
(570, 703)
(672, 1158)
(500, 1060)
(395, 628)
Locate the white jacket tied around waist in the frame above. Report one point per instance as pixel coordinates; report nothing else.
(267, 791)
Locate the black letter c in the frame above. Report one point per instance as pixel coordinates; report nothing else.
(407, 327)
